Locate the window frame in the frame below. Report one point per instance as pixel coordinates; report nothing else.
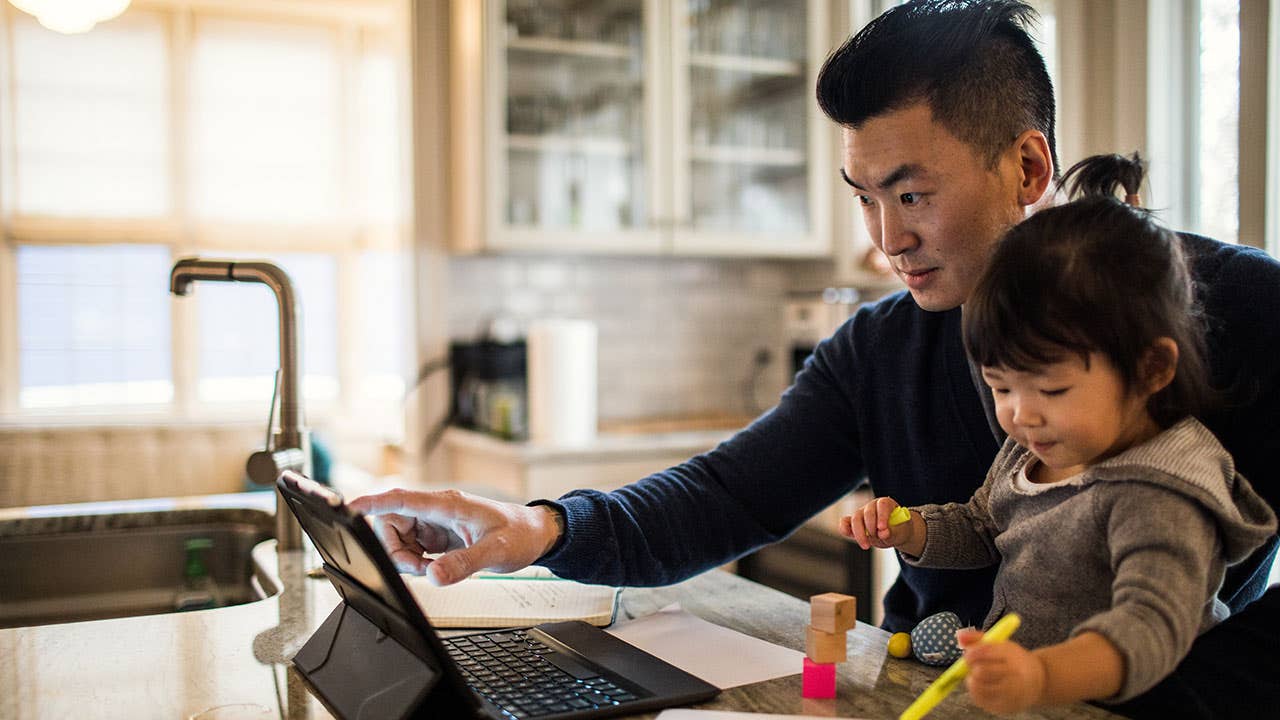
(1173, 30)
(1272, 203)
(358, 26)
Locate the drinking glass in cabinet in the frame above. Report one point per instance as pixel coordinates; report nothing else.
(575, 78)
(743, 28)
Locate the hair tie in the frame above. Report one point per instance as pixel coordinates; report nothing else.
(1133, 199)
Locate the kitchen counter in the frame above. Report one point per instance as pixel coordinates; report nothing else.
(233, 662)
(520, 471)
(605, 446)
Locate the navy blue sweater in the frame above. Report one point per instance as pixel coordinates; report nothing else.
(889, 398)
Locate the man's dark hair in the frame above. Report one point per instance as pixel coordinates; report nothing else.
(1093, 275)
(973, 62)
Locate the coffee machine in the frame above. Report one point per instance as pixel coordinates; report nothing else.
(811, 316)
(490, 387)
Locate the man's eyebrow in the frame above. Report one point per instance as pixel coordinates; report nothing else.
(900, 173)
(851, 183)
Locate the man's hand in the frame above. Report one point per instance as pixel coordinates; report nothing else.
(869, 526)
(472, 532)
(1004, 677)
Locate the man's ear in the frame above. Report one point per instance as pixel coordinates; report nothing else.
(1158, 365)
(1035, 167)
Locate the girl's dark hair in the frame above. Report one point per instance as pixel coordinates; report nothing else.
(1092, 275)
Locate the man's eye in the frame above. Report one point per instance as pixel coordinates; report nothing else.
(909, 198)
(864, 200)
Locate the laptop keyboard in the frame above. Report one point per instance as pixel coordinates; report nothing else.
(525, 678)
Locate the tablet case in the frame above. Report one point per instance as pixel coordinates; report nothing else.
(367, 661)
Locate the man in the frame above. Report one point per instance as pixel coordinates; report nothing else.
(947, 115)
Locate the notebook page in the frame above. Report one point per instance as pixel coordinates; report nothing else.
(490, 601)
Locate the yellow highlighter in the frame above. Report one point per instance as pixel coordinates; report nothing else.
(947, 682)
(899, 515)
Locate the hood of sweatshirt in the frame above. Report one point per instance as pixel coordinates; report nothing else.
(1188, 458)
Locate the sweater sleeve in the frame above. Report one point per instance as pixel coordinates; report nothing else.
(959, 535)
(1163, 549)
(753, 489)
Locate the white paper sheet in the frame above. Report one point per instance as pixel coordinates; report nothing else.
(723, 657)
(727, 715)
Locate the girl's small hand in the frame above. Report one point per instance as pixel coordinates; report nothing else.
(1004, 677)
(869, 526)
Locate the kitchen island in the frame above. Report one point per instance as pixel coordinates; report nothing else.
(232, 662)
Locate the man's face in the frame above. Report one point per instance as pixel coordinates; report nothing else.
(930, 201)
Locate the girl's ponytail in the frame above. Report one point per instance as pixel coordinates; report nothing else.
(1104, 175)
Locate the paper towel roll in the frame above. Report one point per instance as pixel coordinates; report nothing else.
(562, 381)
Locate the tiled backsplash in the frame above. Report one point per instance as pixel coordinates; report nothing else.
(677, 337)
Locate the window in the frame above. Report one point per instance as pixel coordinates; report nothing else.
(91, 119)
(1218, 193)
(90, 331)
(264, 116)
(239, 345)
(231, 133)
(1194, 63)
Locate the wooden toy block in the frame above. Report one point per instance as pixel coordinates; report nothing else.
(833, 612)
(824, 647)
(818, 680)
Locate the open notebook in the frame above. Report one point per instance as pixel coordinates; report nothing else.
(526, 597)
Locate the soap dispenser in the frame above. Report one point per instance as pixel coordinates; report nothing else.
(199, 590)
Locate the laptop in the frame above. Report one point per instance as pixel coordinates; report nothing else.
(377, 656)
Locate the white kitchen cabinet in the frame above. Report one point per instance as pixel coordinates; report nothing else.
(640, 126)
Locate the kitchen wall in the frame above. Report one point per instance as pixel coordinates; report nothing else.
(677, 337)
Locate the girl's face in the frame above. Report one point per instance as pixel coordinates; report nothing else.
(1071, 414)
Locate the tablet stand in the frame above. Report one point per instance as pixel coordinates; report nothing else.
(359, 671)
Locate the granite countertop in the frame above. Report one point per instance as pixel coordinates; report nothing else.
(605, 446)
(232, 662)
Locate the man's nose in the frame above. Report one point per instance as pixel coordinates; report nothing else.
(895, 237)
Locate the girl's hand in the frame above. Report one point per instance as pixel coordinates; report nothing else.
(869, 526)
(1004, 677)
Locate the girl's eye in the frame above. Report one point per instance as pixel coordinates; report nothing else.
(1054, 392)
(1000, 391)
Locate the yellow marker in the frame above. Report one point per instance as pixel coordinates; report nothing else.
(899, 516)
(947, 682)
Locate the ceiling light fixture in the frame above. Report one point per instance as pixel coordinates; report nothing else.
(71, 16)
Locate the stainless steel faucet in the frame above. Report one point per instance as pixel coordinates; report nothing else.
(292, 444)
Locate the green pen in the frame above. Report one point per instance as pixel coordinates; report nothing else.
(947, 682)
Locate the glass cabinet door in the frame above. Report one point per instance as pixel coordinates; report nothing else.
(573, 142)
(744, 96)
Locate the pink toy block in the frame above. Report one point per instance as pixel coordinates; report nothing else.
(819, 680)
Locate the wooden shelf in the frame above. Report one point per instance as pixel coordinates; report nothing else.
(748, 64)
(573, 48)
(729, 154)
(568, 144)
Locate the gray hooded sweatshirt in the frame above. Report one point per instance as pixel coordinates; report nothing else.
(1134, 548)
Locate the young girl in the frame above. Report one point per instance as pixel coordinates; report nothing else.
(1112, 512)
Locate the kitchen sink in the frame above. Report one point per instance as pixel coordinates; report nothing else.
(92, 566)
